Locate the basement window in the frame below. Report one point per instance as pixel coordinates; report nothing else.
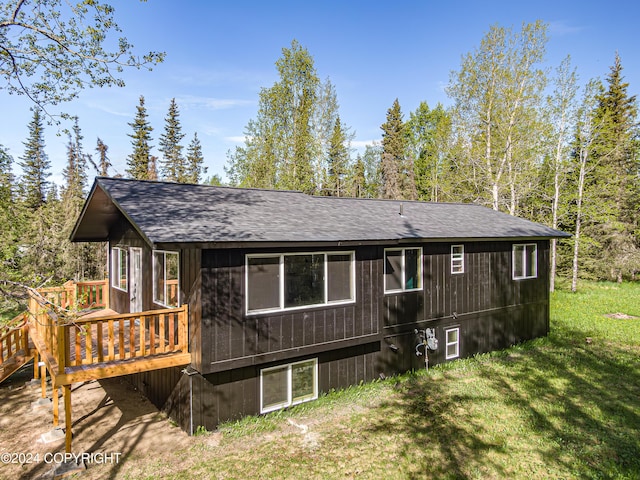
(452, 343)
(119, 268)
(287, 385)
(166, 274)
(525, 261)
(457, 258)
(402, 269)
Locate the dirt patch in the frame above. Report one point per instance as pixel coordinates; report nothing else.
(621, 316)
(110, 419)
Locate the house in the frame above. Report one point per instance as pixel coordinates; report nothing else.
(291, 295)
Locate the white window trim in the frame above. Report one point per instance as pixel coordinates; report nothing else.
(419, 287)
(289, 402)
(281, 307)
(524, 260)
(457, 259)
(155, 283)
(447, 343)
(116, 268)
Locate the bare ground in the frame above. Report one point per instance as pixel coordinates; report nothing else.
(109, 417)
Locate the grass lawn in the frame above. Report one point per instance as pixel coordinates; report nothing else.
(558, 407)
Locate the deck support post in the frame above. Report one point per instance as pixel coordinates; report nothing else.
(36, 361)
(43, 382)
(56, 415)
(67, 417)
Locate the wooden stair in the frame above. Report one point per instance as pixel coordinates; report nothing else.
(15, 348)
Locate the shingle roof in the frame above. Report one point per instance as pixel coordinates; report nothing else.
(180, 213)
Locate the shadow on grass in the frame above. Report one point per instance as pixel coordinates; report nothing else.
(561, 408)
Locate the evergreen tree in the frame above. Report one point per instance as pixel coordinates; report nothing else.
(75, 173)
(397, 174)
(103, 163)
(615, 180)
(358, 179)
(138, 162)
(172, 165)
(35, 165)
(338, 162)
(195, 161)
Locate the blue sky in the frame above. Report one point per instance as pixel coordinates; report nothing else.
(220, 53)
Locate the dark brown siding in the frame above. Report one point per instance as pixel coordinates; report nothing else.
(491, 309)
(231, 338)
(356, 342)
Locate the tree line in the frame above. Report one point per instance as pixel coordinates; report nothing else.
(516, 138)
(38, 216)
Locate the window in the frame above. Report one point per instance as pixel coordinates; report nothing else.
(452, 343)
(525, 261)
(119, 268)
(291, 281)
(402, 269)
(287, 385)
(166, 268)
(457, 258)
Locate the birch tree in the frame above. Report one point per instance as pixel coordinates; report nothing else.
(51, 50)
(561, 115)
(496, 93)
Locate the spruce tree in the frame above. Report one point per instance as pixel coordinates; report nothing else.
(75, 173)
(103, 160)
(138, 161)
(395, 183)
(195, 161)
(338, 161)
(615, 180)
(172, 165)
(35, 165)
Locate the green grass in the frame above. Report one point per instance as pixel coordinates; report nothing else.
(557, 407)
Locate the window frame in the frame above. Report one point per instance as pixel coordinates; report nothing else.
(281, 281)
(116, 268)
(404, 280)
(447, 343)
(155, 278)
(290, 401)
(524, 261)
(457, 259)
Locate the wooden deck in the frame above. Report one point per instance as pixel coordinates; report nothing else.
(78, 338)
(79, 346)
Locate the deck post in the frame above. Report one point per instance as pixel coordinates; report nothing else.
(67, 418)
(36, 361)
(55, 395)
(43, 382)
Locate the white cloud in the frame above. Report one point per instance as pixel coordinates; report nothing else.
(211, 103)
(562, 28)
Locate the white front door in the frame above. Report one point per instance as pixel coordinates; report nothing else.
(135, 298)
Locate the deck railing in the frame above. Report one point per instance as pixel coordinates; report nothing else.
(122, 337)
(73, 340)
(13, 339)
(81, 295)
